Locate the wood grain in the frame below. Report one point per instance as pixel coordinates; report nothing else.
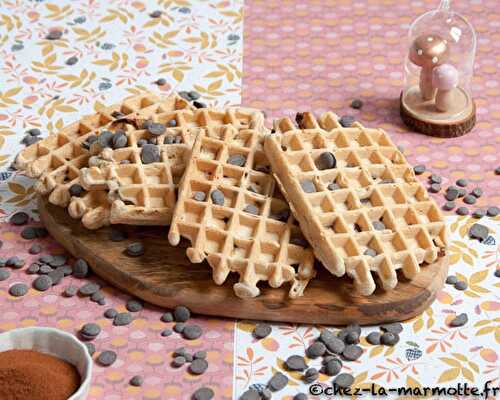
(165, 277)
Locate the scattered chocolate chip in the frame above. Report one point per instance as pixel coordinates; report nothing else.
(326, 160)
(373, 338)
(179, 327)
(119, 140)
(45, 269)
(136, 380)
(156, 128)
(42, 283)
(332, 343)
(262, 330)
(479, 213)
(28, 233)
(56, 275)
(476, 192)
(394, 327)
(178, 361)
(461, 182)
(343, 380)
(90, 330)
(106, 358)
(203, 393)
(237, 159)
(4, 274)
(497, 273)
(356, 104)
(182, 314)
(122, 319)
(251, 209)
(72, 60)
(117, 235)
(332, 367)
(19, 218)
(58, 260)
(301, 396)
(435, 179)
(33, 268)
(80, 268)
(449, 205)
(451, 280)
(89, 289)
(469, 199)
(34, 132)
(217, 197)
(311, 375)
(346, 121)
(308, 186)
(160, 81)
(462, 211)
(156, 14)
(333, 186)
(493, 211)
(193, 95)
(296, 363)
(315, 350)
(167, 317)
(459, 320)
(497, 171)
(199, 104)
(90, 348)
(419, 169)
(351, 338)
(70, 291)
(198, 366)
(97, 297)
(54, 35)
(166, 332)
(281, 215)
(181, 351)
(18, 290)
(461, 192)
(370, 252)
(76, 190)
(141, 142)
(135, 249)
(434, 188)
(451, 193)
(460, 285)
(192, 332)
(150, 153)
(378, 225)
(352, 352)
(134, 305)
(250, 394)
(389, 338)
(478, 231)
(200, 354)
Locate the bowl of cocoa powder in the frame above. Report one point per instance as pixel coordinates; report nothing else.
(43, 364)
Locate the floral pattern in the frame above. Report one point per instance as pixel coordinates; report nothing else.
(430, 352)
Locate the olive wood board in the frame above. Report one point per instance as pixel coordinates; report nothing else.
(164, 276)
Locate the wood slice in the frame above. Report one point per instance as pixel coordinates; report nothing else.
(165, 277)
(442, 129)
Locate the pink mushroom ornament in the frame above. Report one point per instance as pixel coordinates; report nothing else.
(445, 80)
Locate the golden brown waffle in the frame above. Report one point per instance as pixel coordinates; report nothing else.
(366, 214)
(144, 193)
(56, 160)
(250, 231)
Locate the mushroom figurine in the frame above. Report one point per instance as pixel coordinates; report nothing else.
(428, 51)
(445, 80)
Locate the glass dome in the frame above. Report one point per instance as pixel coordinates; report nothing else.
(439, 67)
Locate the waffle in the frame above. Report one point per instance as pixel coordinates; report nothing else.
(56, 160)
(368, 213)
(251, 230)
(145, 193)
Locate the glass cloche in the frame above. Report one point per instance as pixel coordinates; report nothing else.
(439, 64)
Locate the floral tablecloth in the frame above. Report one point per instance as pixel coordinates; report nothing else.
(296, 56)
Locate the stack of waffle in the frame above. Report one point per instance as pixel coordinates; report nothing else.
(221, 180)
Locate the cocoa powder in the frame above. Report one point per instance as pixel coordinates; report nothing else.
(28, 374)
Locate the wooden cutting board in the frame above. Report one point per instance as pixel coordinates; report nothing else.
(165, 277)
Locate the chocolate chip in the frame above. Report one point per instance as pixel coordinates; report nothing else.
(394, 327)
(182, 314)
(105, 139)
(178, 361)
(461, 182)
(34, 132)
(373, 338)
(166, 332)
(262, 330)
(352, 352)
(56, 275)
(203, 393)
(167, 317)
(199, 104)
(19, 218)
(141, 142)
(434, 188)
(134, 305)
(493, 211)
(150, 153)
(332, 367)
(370, 252)
(251, 209)
(378, 225)
(33, 268)
(90, 348)
(156, 14)
(193, 95)
(315, 350)
(76, 190)
(4, 274)
(459, 320)
(449, 205)
(45, 269)
(460, 285)
(250, 394)
(477, 192)
(110, 313)
(237, 159)
(351, 338)
(281, 215)
(356, 104)
(135, 249)
(119, 140)
(296, 363)
(198, 366)
(332, 343)
(156, 128)
(497, 171)
(72, 60)
(54, 35)
(389, 338)
(333, 186)
(160, 81)
(97, 297)
(122, 319)
(106, 358)
(451, 280)
(181, 351)
(461, 192)
(70, 291)
(192, 332)
(478, 231)
(343, 380)
(117, 235)
(217, 197)
(90, 330)
(136, 380)
(28, 233)
(346, 121)
(419, 169)
(42, 283)
(497, 273)
(200, 354)
(301, 396)
(451, 193)
(308, 186)
(18, 290)
(462, 211)
(80, 268)
(469, 199)
(326, 160)
(435, 179)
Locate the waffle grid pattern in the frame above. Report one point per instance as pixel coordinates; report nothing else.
(256, 245)
(369, 213)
